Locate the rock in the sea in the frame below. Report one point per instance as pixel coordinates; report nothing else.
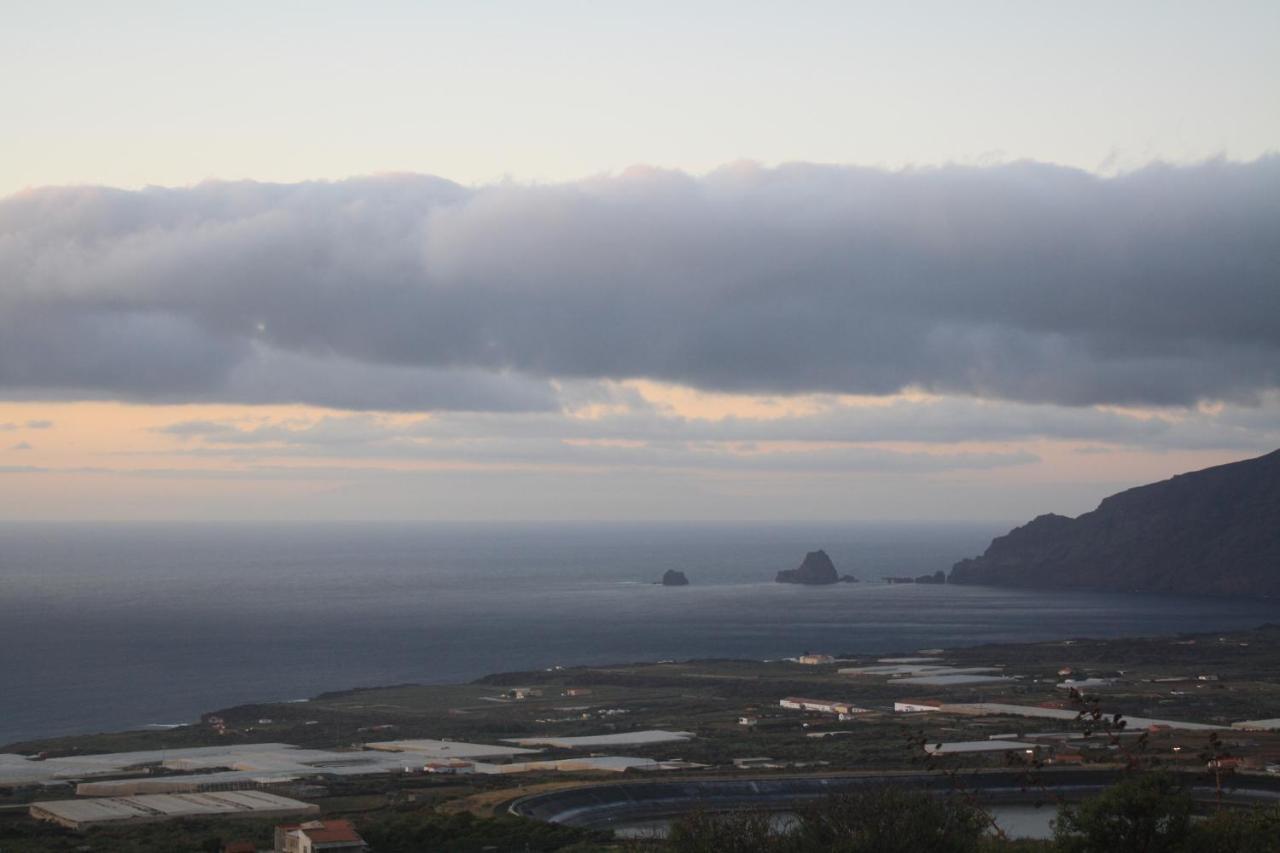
(817, 568)
(937, 577)
(673, 578)
(1215, 531)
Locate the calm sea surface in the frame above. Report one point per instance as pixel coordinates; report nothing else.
(110, 627)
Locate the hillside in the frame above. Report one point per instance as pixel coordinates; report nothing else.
(1215, 531)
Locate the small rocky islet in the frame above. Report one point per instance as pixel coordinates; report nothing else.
(816, 570)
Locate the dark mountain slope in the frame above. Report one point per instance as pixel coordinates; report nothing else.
(1215, 531)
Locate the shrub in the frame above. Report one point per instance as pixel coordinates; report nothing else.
(1144, 814)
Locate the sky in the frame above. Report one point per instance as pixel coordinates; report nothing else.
(607, 261)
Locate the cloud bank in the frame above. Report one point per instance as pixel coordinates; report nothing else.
(1023, 282)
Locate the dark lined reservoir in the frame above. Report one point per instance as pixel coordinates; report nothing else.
(113, 626)
(644, 808)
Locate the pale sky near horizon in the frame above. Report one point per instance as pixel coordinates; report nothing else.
(697, 261)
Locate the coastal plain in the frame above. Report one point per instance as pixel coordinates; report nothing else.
(1202, 704)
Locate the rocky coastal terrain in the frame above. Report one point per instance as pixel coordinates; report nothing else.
(671, 577)
(1215, 531)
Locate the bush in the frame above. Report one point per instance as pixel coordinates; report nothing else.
(1254, 830)
(463, 833)
(878, 820)
(747, 831)
(1144, 814)
(892, 820)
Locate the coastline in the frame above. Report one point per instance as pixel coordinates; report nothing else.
(1013, 655)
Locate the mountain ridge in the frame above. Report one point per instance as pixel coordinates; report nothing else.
(1213, 531)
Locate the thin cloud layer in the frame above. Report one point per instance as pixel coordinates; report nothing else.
(838, 437)
(1024, 282)
(9, 426)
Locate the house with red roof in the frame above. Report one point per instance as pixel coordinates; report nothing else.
(319, 836)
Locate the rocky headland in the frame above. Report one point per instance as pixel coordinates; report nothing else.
(1215, 531)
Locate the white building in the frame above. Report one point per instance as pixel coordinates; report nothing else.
(449, 767)
(914, 707)
(814, 660)
(821, 706)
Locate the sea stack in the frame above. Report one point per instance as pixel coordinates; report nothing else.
(816, 569)
(673, 578)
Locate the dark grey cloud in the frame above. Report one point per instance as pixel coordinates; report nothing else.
(1022, 282)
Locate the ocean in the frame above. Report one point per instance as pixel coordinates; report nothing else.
(106, 627)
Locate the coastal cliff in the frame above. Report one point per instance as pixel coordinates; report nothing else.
(1215, 531)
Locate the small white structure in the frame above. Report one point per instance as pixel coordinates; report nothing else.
(814, 660)
(914, 708)
(449, 768)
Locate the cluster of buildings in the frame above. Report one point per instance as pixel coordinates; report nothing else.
(842, 710)
(522, 693)
(1072, 746)
(928, 668)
